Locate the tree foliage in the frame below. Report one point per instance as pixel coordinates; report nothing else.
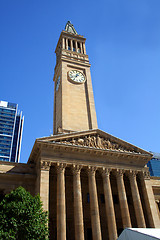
(22, 217)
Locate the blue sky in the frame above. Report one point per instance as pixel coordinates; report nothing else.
(123, 44)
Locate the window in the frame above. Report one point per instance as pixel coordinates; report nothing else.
(4, 159)
(4, 146)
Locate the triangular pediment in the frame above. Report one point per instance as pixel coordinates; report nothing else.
(94, 139)
(70, 28)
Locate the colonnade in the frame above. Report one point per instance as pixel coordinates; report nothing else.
(94, 206)
(73, 45)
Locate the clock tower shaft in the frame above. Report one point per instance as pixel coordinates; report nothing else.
(74, 108)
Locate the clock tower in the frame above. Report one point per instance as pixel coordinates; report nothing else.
(74, 108)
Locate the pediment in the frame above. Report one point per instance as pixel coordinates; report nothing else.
(94, 139)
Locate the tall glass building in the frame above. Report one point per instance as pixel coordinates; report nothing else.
(11, 127)
(154, 165)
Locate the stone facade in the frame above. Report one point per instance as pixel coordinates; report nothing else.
(92, 184)
(102, 190)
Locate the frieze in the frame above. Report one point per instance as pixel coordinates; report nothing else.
(98, 142)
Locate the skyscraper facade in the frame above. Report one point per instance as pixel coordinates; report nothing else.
(154, 165)
(11, 127)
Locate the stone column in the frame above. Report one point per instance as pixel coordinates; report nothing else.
(123, 199)
(84, 48)
(44, 184)
(81, 47)
(136, 200)
(76, 46)
(61, 203)
(94, 208)
(71, 44)
(78, 209)
(111, 220)
(67, 43)
(149, 199)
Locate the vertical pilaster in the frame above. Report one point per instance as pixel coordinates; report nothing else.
(149, 199)
(63, 43)
(123, 199)
(136, 200)
(61, 203)
(110, 213)
(94, 208)
(78, 209)
(44, 184)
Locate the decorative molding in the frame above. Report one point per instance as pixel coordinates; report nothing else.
(61, 167)
(105, 172)
(45, 165)
(132, 174)
(76, 169)
(145, 175)
(91, 170)
(119, 173)
(98, 142)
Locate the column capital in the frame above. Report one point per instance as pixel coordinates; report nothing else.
(132, 174)
(144, 175)
(61, 167)
(76, 169)
(45, 165)
(91, 170)
(119, 173)
(105, 172)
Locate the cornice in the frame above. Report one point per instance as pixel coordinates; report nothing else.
(101, 153)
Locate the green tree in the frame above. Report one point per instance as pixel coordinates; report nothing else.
(22, 217)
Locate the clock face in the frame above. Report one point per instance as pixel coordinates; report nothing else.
(58, 83)
(76, 76)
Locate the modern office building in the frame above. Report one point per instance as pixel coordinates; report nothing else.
(154, 165)
(11, 127)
